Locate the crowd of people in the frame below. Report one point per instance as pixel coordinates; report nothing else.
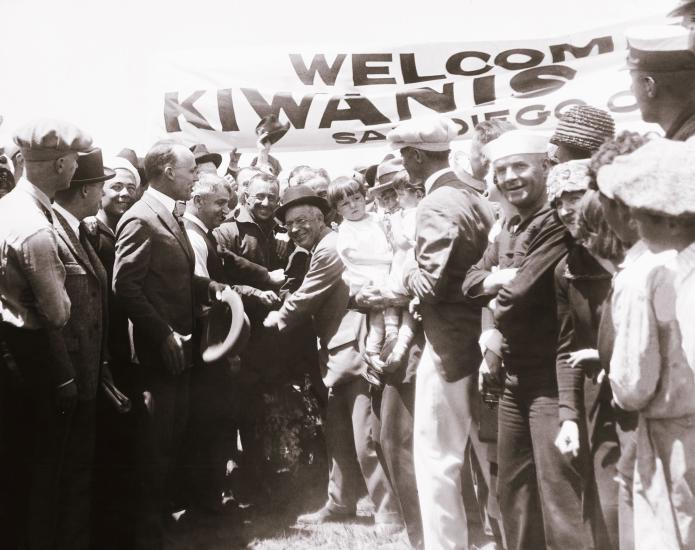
(500, 351)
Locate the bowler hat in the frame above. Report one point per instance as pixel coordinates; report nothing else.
(227, 327)
(90, 168)
(297, 195)
(201, 154)
(270, 129)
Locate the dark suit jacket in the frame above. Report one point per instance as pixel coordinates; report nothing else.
(684, 126)
(453, 222)
(323, 296)
(153, 276)
(79, 348)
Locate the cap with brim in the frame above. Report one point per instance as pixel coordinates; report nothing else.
(656, 178)
(226, 328)
(568, 177)
(425, 133)
(49, 139)
(659, 48)
(90, 169)
(202, 155)
(298, 195)
(515, 142)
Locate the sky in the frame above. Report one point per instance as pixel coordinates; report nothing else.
(87, 61)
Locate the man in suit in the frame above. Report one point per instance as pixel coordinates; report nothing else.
(154, 278)
(33, 304)
(452, 222)
(80, 347)
(323, 296)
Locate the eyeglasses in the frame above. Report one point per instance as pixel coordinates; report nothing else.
(272, 199)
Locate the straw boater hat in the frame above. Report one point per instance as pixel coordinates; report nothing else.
(658, 177)
(568, 177)
(584, 127)
(226, 327)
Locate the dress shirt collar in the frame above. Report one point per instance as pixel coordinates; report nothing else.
(73, 222)
(685, 263)
(633, 254)
(196, 220)
(27, 187)
(166, 200)
(429, 182)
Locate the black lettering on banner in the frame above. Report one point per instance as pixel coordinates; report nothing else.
(225, 108)
(372, 135)
(173, 108)
(361, 72)
(328, 73)
(484, 89)
(453, 64)
(603, 44)
(359, 108)
(497, 114)
(441, 102)
(344, 138)
(529, 83)
(560, 107)
(282, 101)
(539, 110)
(614, 106)
(462, 124)
(535, 57)
(409, 70)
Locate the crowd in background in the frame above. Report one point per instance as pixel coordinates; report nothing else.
(500, 353)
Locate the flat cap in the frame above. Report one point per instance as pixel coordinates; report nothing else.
(567, 177)
(49, 139)
(426, 133)
(584, 127)
(658, 177)
(515, 142)
(659, 48)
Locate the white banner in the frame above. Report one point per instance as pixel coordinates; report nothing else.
(346, 97)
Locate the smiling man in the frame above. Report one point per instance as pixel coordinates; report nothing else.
(539, 490)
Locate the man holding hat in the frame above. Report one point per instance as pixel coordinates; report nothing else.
(323, 297)
(652, 369)
(662, 68)
(154, 278)
(206, 162)
(79, 349)
(539, 491)
(452, 224)
(33, 304)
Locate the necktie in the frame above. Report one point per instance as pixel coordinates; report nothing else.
(211, 237)
(178, 211)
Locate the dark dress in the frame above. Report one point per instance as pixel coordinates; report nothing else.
(582, 286)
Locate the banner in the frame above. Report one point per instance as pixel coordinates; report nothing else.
(349, 97)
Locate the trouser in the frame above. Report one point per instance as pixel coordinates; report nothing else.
(159, 439)
(47, 464)
(540, 491)
(442, 426)
(626, 464)
(352, 453)
(209, 440)
(393, 429)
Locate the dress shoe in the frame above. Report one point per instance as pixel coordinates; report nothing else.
(324, 515)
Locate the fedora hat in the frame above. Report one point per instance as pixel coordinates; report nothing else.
(226, 329)
(201, 154)
(270, 129)
(297, 195)
(90, 168)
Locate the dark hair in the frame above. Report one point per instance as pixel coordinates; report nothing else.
(487, 130)
(622, 144)
(593, 230)
(158, 157)
(341, 188)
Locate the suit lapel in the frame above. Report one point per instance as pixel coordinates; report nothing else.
(171, 224)
(67, 234)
